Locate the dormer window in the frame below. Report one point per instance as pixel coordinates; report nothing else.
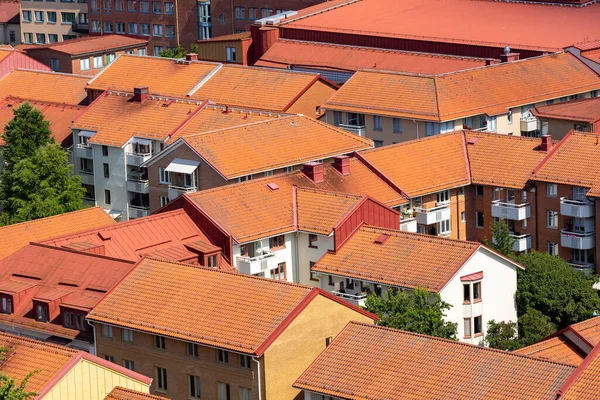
(6, 305)
(212, 261)
(41, 313)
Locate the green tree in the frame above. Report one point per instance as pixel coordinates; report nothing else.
(179, 52)
(9, 388)
(420, 312)
(532, 327)
(551, 286)
(41, 186)
(501, 241)
(503, 335)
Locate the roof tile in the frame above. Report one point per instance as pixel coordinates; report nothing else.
(92, 44)
(51, 87)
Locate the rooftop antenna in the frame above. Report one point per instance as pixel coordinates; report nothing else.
(507, 50)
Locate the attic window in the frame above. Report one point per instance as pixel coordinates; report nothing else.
(273, 186)
(381, 239)
(104, 235)
(473, 140)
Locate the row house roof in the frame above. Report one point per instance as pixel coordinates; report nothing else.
(92, 44)
(580, 110)
(121, 393)
(386, 362)
(490, 90)
(194, 300)
(52, 87)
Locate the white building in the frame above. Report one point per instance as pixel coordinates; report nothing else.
(478, 283)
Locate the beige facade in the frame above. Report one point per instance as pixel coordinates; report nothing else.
(49, 22)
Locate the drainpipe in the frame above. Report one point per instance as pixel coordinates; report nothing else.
(295, 261)
(258, 366)
(177, 20)
(417, 128)
(94, 330)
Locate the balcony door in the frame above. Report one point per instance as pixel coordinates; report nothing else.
(356, 119)
(579, 193)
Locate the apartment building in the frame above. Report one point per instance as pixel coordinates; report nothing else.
(559, 119)
(218, 335)
(386, 362)
(45, 86)
(60, 372)
(47, 292)
(396, 107)
(229, 155)
(51, 22)
(10, 22)
(479, 284)
(86, 55)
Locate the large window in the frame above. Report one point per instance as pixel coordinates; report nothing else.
(277, 242)
(377, 123)
(26, 16)
(39, 16)
(443, 196)
(51, 17)
(477, 325)
(245, 393)
(161, 378)
(98, 64)
(157, 30)
(67, 17)
(84, 64)
(480, 219)
(397, 125)
(169, 8)
(240, 13)
(279, 273)
(224, 391)
(551, 190)
(144, 7)
(194, 387)
(434, 128)
(552, 219)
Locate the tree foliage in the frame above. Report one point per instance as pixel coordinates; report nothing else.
(501, 241)
(179, 52)
(419, 311)
(9, 388)
(532, 327)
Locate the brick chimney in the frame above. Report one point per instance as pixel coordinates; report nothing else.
(191, 57)
(314, 171)
(546, 143)
(508, 55)
(140, 94)
(342, 164)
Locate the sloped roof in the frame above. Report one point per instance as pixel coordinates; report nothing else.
(388, 363)
(585, 110)
(285, 52)
(284, 141)
(60, 116)
(584, 384)
(40, 229)
(558, 349)
(9, 12)
(319, 211)
(232, 311)
(490, 90)
(120, 393)
(44, 86)
(404, 259)
(93, 44)
(588, 329)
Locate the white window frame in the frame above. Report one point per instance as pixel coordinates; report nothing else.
(551, 219)
(164, 200)
(443, 197)
(127, 335)
(98, 62)
(231, 56)
(444, 227)
(107, 331)
(551, 190)
(164, 176)
(84, 64)
(553, 248)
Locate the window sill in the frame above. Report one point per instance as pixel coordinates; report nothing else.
(477, 301)
(552, 227)
(467, 303)
(478, 335)
(160, 390)
(314, 280)
(479, 227)
(277, 248)
(313, 247)
(467, 337)
(398, 133)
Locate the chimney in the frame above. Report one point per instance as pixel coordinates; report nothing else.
(508, 56)
(314, 171)
(342, 164)
(546, 143)
(191, 57)
(140, 94)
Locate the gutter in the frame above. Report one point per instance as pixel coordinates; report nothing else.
(258, 366)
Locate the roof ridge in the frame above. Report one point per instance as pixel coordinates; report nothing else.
(329, 192)
(276, 70)
(74, 251)
(37, 343)
(214, 131)
(412, 141)
(43, 102)
(87, 77)
(51, 217)
(425, 236)
(339, 130)
(237, 184)
(551, 153)
(578, 372)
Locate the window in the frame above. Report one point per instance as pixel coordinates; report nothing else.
(551, 190)
(377, 123)
(466, 293)
(26, 16)
(157, 30)
(194, 387)
(463, 216)
(170, 30)
(68, 319)
(444, 227)
(245, 361)
(12, 36)
(467, 327)
(552, 219)
(313, 241)
(434, 128)
(240, 13)
(266, 12)
(109, 358)
(142, 52)
(397, 125)
(119, 5)
(277, 242)
(231, 54)
(224, 391)
(245, 393)
(52, 38)
(479, 190)
(378, 143)
(131, 5)
(41, 313)
(68, 37)
(95, 26)
(105, 151)
(129, 364)
(160, 342)
(84, 64)
(51, 17)
(28, 37)
(164, 176)
(108, 26)
(337, 118)
(192, 349)
(120, 28)
(164, 200)
(594, 94)
(83, 18)
(356, 119)
(80, 323)
(328, 340)
(107, 331)
(67, 17)
(127, 335)
(252, 13)
(443, 196)
(477, 291)
(156, 7)
(132, 28)
(553, 248)
(144, 7)
(279, 273)
(161, 378)
(169, 8)
(106, 170)
(477, 326)
(106, 196)
(509, 116)
(39, 16)
(223, 356)
(40, 38)
(6, 305)
(480, 218)
(330, 280)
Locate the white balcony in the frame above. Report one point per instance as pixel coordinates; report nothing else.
(576, 208)
(359, 130)
(257, 264)
(408, 224)
(137, 159)
(512, 211)
(585, 268)
(87, 176)
(522, 242)
(138, 212)
(137, 186)
(82, 151)
(428, 216)
(356, 299)
(529, 124)
(176, 191)
(578, 240)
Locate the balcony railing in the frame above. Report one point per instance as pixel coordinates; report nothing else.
(512, 211)
(529, 124)
(80, 27)
(176, 191)
(578, 240)
(408, 224)
(137, 185)
(83, 151)
(356, 299)
(577, 208)
(257, 264)
(585, 268)
(138, 211)
(137, 159)
(359, 130)
(428, 216)
(522, 242)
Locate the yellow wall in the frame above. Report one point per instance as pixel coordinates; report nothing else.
(301, 342)
(90, 381)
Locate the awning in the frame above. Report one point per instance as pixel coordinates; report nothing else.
(182, 166)
(141, 141)
(87, 134)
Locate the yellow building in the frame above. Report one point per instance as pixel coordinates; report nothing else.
(62, 373)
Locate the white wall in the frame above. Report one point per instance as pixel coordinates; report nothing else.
(307, 254)
(116, 182)
(282, 255)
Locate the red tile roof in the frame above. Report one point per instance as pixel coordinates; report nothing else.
(119, 393)
(584, 384)
(558, 349)
(525, 26)
(372, 362)
(93, 44)
(582, 110)
(490, 90)
(43, 86)
(285, 53)
(256, 309)
(41, 229)
(9, 12)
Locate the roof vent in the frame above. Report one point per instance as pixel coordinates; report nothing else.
(273, 186)
(314, 171)
(342, 164)
(191, 57)
(546, 143)
(381, 239)
(507, 50)
(140, 94)
(104, 235)
(472, 140)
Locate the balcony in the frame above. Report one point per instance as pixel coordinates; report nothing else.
(137, 159)
(529, 124)
(80, 27)
(176, 191)
(428, 216)
(87, 176)
(522, 242)
(137, 186)
(585, 268)
(356, 299)
(408, 224)
(138, 212)
(359, 130)
(578, 240)
(512, 211)
(257, 264)
(576, 208)
(82, 151)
